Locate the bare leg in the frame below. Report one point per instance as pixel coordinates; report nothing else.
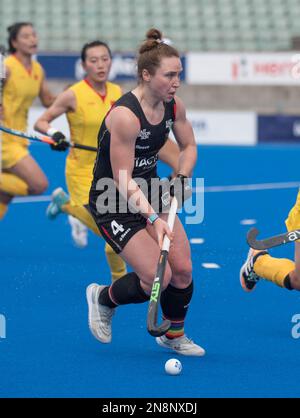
(29, 171)
(142, 253)
(180, 255)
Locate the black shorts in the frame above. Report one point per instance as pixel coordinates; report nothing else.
(117, 229)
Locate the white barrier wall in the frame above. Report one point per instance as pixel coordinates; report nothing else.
(224, 128)
(211, 128)
(243, 68)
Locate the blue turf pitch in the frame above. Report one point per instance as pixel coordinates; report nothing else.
(48, 350)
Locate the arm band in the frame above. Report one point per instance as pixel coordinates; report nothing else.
(152, 218)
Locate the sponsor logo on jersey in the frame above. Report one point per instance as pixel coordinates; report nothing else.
(144, 134)
(145, 162)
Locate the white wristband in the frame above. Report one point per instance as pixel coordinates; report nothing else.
(51, 132)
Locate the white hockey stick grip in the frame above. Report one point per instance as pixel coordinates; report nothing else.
(171, 221)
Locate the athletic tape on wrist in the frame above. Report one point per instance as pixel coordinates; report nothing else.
(51, 131)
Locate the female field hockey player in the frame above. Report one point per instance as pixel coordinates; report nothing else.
(25, 80)
(130, 138)
(86, 104)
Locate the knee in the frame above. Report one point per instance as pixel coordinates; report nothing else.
(147, 278)
(39, 186)
(182, 275)
(167, 277)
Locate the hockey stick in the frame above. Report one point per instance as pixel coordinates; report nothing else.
(271, 242)
(43, 138)
(152, 326)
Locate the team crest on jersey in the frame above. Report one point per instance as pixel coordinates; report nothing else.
(169, 124)
(144, 134)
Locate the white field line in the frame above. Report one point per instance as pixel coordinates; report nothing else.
(208, 189)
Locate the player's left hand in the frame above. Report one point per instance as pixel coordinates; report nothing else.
(181, 189)
(178, 187)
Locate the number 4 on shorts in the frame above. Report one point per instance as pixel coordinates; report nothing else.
(116, 228)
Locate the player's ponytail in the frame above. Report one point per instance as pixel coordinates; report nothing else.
(152, 50)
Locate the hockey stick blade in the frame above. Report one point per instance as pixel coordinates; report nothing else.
(159, 330)
(271, 242)
(154, 329)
